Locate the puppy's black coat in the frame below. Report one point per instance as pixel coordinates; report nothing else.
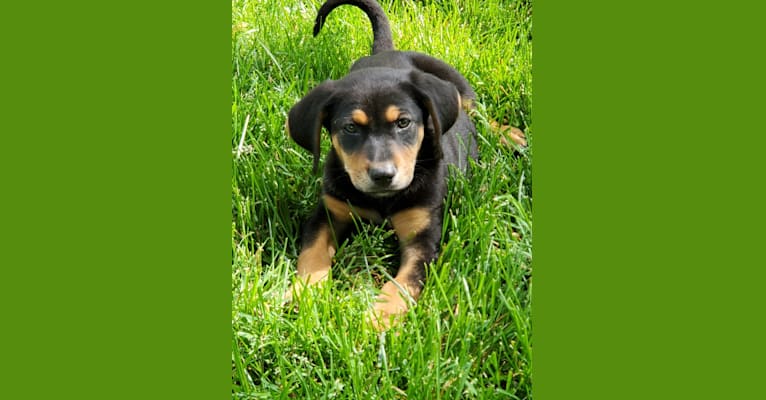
(396, 121)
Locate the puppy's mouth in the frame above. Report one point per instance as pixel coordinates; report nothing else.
(380, 188)
(381, 193)
(383, 190)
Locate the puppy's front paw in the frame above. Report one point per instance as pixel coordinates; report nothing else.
(389, 308)
(296, 289)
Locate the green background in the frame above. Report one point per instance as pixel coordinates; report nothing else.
(648, 200)
(648, 190)
(117, 212)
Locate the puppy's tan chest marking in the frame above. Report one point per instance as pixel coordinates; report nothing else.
(344, 212)
(410, 222)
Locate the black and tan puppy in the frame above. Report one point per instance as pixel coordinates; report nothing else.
(396, 121)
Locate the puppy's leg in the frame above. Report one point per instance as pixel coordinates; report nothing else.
(320, 238)
(419, 231)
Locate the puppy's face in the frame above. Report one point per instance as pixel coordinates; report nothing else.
(377, 119)
(377, 141)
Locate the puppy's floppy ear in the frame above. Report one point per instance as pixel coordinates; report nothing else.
(305, 119)
(440, 98)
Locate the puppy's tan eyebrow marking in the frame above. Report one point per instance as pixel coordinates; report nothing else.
(392, 113)
(360, 117)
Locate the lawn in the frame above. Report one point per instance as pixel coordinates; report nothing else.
(469, 336)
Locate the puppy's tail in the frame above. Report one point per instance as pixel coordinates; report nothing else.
(381, 30)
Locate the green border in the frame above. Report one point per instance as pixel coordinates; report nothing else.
(648, 201)
(118, 257)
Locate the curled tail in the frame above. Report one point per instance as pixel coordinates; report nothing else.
(381, 30)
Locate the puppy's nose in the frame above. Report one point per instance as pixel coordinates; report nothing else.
(382, 174)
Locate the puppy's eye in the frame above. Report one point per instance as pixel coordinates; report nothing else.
(403, 123)
(349, 128)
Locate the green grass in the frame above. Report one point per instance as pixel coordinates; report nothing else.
(469, 336)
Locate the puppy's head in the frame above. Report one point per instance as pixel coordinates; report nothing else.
(378, 119)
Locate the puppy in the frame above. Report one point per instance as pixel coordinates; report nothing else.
(396, 122)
